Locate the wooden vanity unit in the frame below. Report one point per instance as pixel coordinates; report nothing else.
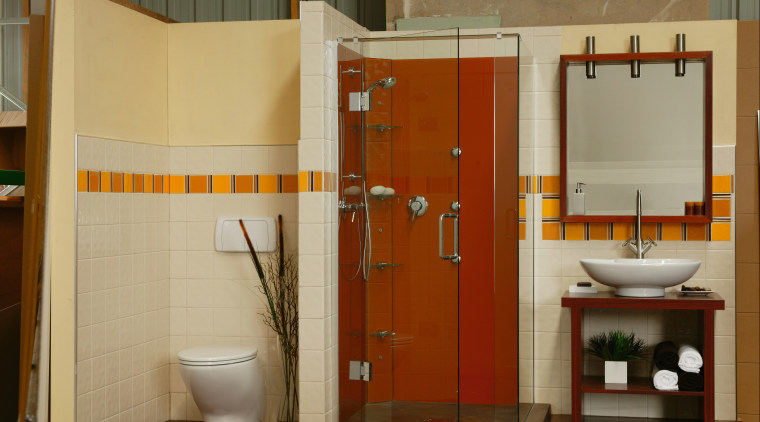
(595, 384)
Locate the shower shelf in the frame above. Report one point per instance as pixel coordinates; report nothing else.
(381, 265)
(381, 196)
(383, 128)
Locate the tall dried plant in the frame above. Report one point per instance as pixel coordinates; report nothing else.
(279, 284)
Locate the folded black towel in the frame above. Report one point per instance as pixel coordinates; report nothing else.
(689, 381)
(666, 356)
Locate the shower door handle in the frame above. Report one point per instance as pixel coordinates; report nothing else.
(455, 258)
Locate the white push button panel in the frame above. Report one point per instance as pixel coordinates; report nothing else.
(261, 230)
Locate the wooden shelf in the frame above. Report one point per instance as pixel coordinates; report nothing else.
(636, 385)
(605, 300)
(671, 300)
(11, 202)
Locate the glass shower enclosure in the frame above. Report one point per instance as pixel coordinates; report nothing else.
(431, 216)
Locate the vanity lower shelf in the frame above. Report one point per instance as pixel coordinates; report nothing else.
(636, 385)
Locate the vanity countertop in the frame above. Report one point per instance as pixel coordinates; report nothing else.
(671, 300)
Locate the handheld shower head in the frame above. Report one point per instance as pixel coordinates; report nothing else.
(385, 83)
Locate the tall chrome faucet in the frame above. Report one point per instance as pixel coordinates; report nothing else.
(635, 243)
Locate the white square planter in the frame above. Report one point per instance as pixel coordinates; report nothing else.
(615, 372)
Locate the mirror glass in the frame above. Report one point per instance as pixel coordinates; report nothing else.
(628, 133)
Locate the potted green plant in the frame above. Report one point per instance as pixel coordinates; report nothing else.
(279, 284)
(616, 348)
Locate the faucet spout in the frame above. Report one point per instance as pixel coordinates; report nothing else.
(636, 244)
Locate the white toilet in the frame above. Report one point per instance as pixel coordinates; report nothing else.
(227, 382)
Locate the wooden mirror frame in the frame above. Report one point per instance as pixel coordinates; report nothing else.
(565, 60)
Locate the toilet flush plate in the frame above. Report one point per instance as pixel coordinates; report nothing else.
(261, 230)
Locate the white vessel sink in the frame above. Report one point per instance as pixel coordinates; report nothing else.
(640, 277)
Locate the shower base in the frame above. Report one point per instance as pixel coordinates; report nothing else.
(406, 411)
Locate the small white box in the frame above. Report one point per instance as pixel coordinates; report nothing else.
(261, 230)
(615, 372)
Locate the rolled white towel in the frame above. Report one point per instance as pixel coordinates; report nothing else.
(377, 190)
(664, 380)
(689, 359)
(389, 191)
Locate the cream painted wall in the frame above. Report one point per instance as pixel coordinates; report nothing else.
(61, 215)
(121, 67)
(108, 80)
(716, 36)
(234, 83)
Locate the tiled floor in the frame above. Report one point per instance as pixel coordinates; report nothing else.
(397, 411)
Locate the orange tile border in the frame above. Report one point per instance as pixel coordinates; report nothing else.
(94, 181)
(221, 183)
(303, 181)
(575, 231)
(696, 231)
(158, 183)
(82, 180)
(177, 184)
(599, 231)
(521, 229)
(317, 181)
(267, 183)
(148, 183)
(105, 181)
(244, 184)
(671, 231)
(720, 232)
(289, 183)
(550, 231)
(550, 208)
(721, 207)
(722, 184)
(521, 207)
(198, 184)
(550, 185)
(139, 183)
(621, 231)
(128, 182)
(117, 180)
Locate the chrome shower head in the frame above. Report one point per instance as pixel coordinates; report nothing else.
(385, 83)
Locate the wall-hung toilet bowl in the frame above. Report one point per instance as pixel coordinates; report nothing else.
(226, 382)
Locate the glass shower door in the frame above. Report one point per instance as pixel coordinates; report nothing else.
(399, 182)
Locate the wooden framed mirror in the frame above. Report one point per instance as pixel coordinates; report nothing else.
(619, 134)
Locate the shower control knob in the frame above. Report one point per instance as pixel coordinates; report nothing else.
(455, 206)
(417, 206)
(456, 152)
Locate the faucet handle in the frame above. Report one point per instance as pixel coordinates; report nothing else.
(651, 242)
(627, 242)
